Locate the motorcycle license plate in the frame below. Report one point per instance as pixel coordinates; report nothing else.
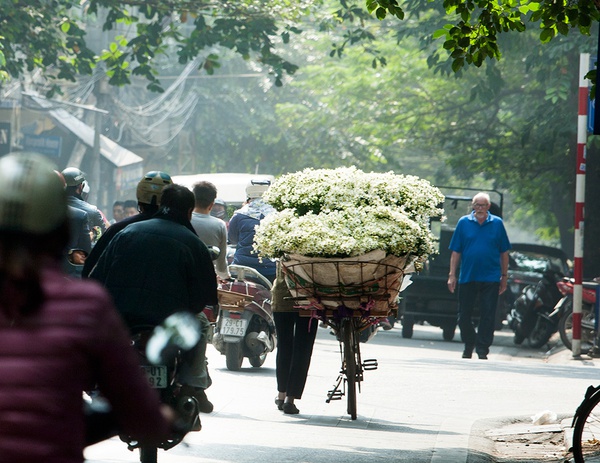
(157, 376)
(233, 327)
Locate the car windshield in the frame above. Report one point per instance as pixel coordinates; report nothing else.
(534, 262)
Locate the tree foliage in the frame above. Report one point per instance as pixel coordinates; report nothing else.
(51, 36)
(472, 30)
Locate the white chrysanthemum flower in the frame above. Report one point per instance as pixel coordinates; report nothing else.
(345, 212)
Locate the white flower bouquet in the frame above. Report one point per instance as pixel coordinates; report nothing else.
(329, 216)
(346, 212)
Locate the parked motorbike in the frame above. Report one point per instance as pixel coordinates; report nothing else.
(245, 325)
(532, 314)
(161, 349)
(588, 316)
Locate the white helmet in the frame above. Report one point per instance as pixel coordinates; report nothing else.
(32, 197)
(257, 187)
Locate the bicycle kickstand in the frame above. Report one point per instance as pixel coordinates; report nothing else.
(335, 393)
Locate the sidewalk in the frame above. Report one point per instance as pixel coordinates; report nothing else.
(520, 439)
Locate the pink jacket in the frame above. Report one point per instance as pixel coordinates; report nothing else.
(77, 339)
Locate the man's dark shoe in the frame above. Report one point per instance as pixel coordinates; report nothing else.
(197, 425)
(290, 409)
(198, 393)
(482, 356)
(467, 354)
(204, 405)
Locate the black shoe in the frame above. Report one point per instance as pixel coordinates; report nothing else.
(482, 356)
(198, 393)
(279, 403)
(204, 405)
(197, 425)
(467, 354)
(289, 408)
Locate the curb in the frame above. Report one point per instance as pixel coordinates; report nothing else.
(509, 439)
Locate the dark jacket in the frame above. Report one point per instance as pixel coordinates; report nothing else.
(241, 234)
(94, 215)
(106, 237)
(80, 230)
(157, 267)
(47, 359)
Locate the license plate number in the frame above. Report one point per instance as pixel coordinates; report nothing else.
(157, 376)
(234, 327)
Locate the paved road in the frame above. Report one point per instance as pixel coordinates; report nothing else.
(423, 404)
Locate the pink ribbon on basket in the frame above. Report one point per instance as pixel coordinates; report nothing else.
(313, 312)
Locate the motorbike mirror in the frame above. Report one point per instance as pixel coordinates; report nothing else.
(214, 252)
(180, 330)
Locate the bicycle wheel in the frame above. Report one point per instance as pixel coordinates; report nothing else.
(348, 337)
(586, 429)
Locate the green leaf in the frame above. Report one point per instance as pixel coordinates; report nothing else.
(546, 35)
(457, 64)
(440, 33)
(449, 44)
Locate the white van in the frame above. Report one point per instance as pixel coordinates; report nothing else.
(231, 187)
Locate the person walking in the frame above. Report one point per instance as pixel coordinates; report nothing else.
(58, 336)
(480, 246)
(159, 266)
(295, 341)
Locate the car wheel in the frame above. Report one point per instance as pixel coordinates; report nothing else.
(448, 331)
(408, 323)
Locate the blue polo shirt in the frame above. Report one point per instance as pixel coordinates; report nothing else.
(480, 247)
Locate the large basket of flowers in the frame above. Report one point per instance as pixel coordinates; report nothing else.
(346, 237)
(368, 283)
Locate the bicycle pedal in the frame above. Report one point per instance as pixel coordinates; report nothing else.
(370, 364)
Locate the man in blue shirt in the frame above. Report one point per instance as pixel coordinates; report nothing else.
(480, 245)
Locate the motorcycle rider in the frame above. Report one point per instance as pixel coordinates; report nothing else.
(159, 266)
(75, 180)
(242, 225)
(211, 230)
(80, 242)
(58, 337)
(148, 193)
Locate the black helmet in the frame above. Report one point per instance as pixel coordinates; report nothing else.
(73, 176)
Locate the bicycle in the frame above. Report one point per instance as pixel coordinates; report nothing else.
(348, 296)
(586, 427)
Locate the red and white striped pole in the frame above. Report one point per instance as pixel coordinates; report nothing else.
(582, 134)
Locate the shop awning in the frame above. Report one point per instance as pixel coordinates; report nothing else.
(109, 149)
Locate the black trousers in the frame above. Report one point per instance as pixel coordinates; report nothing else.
(295, 341)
